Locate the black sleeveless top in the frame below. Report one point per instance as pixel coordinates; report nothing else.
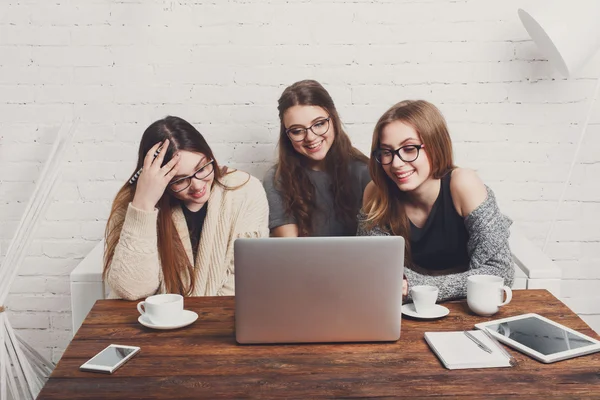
(442, 242)
(195, 222)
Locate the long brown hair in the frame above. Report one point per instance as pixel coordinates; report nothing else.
(385, 208)
(176, 268)
(290, 176)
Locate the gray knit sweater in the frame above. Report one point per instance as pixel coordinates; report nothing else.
(487, 247)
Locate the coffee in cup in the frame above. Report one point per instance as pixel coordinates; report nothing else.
(162, 309)
(424, 298)
(485, 294)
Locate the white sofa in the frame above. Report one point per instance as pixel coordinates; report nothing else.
(534, 270)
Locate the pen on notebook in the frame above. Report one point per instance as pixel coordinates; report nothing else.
(511, 360)
(139, 171)
(478, 342)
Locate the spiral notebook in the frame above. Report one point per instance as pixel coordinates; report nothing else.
(456, 350)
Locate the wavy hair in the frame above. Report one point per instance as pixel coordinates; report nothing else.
(385, 208)
(176, 268)
(291, 178)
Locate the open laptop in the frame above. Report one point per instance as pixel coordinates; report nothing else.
(318, 289)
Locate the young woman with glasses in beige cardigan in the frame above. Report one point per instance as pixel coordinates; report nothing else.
(172, 226)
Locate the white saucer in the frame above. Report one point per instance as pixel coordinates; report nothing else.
(437, 312)
(187, 317)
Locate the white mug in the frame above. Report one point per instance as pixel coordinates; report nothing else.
(424, 298)
(162, 309)
(485, 294)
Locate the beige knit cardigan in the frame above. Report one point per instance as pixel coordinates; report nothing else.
(135, 270)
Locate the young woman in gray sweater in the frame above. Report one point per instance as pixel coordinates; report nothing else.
(448, 217)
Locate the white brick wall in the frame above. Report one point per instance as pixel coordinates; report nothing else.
(120, 65)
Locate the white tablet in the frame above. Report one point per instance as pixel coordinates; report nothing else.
(541, 338)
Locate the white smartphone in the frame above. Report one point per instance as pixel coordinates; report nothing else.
(110, 359)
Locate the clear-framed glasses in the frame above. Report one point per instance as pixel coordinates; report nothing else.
(319, 128)
(407, 153)
(183, 183)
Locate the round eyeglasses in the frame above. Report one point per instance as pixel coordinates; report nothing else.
(407, 153)
(319, 128)
(183, 183)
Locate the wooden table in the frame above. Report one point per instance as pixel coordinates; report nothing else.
(204, 361)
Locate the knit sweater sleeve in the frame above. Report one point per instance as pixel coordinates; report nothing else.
(488, 250)
(252, 222)
(135, 267)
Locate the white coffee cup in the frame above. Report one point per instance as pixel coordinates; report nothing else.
(485, 294)
(424, 298)
(162, 309)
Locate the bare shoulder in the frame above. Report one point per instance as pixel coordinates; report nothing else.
(369, 192)
(468, 190)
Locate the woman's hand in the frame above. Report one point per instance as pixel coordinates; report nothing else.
(154, 180)
(404, 287)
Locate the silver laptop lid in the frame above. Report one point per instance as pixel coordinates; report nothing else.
(318, 289)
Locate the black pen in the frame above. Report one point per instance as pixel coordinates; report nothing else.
(137, 174)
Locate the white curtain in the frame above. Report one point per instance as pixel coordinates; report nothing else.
(23, 371)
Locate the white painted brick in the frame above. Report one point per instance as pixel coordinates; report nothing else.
(28, 320)
(48, 94)
(80, 56)
(106, 152)
(94, 191)
(46, 338)
(235, 95)
(59, 230)
(249, 153)
(575, 288)
(41, 265)
(294, 55)
(59, 285)
(86, 211)
(584, 230)
(16, 191)
(34, 35)
(115, 75)
(11, 211)
(15, 14)
(19, 303)
(56, 354)
(15, 55)
(99, 170)
(94, 230)
(153, 94)
(65, 14)
(66, 248)
(17, 94)
(52, 113)
(576, 269)
(28, 284)
(198, 74)
(550, 91)
(62, 322)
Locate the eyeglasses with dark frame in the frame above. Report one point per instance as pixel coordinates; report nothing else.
(408, 153)
(319, 128)
(183, 183)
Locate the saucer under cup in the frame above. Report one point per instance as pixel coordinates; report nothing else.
(187, 318)
(437, 311)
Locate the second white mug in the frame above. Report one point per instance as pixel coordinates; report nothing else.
(485, 294)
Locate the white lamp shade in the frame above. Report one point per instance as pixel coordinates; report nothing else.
(567, 32)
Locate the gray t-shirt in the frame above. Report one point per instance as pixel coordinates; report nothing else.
(324, 220)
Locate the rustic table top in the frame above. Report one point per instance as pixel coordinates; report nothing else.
(203, 360)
